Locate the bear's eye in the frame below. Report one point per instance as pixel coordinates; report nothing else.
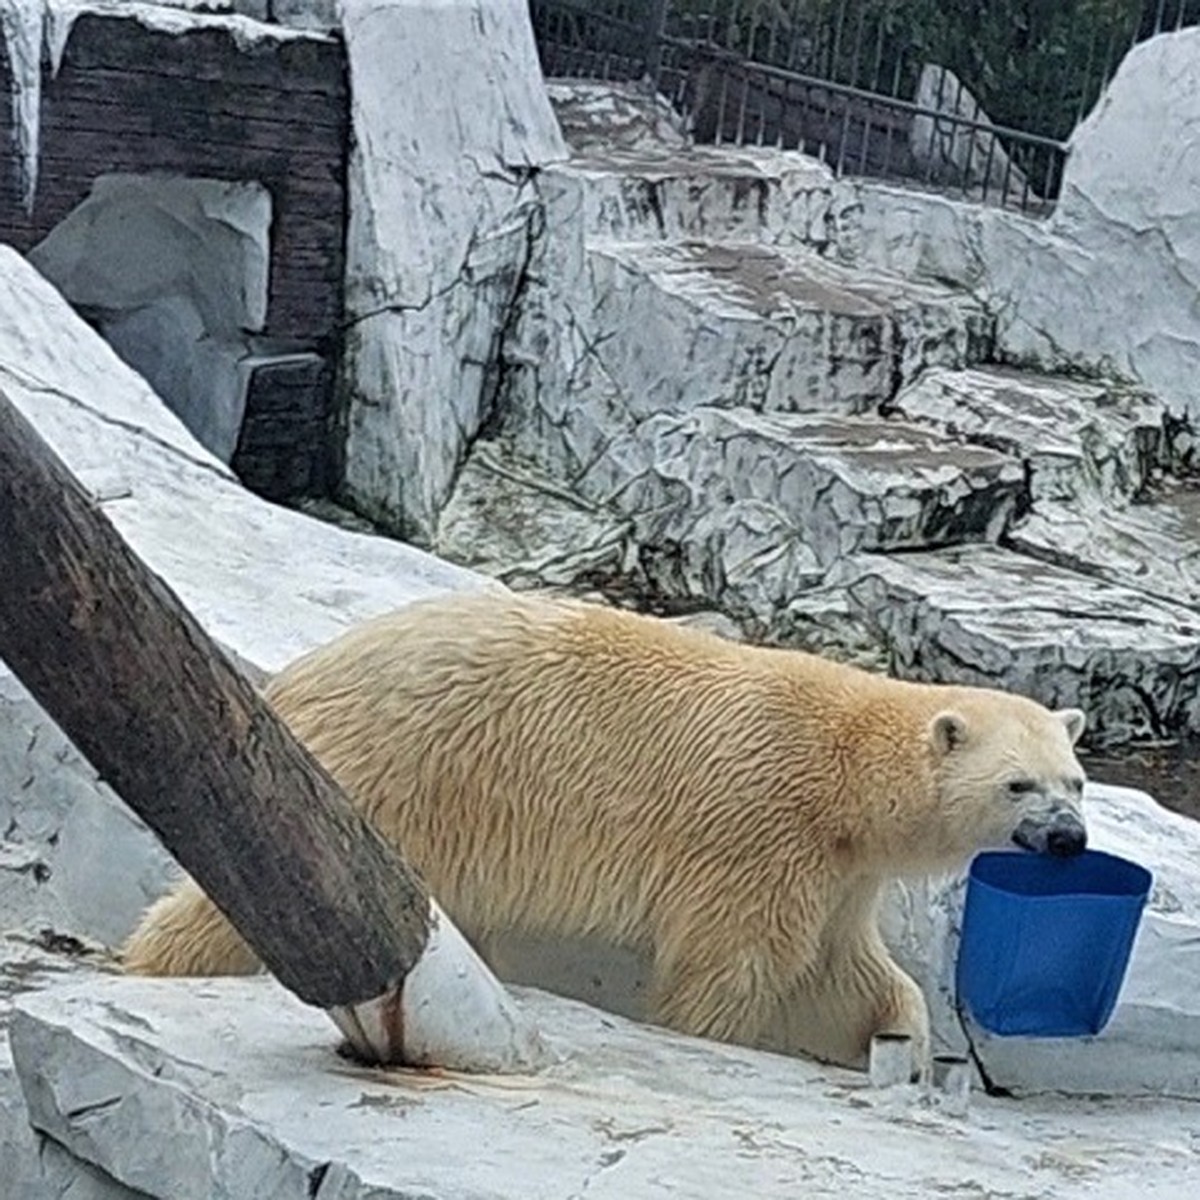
(1075, 785)
(1021, 787)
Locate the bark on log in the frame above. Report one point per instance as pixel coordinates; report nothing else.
(114, 657)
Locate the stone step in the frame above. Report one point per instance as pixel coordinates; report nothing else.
(727, 507)
(595, 115)
(740, 324)
(1079, 438)
(701, 192)
(645, 329)
(634, 176)
(1154, 546)
(989, 616)
(742, 509)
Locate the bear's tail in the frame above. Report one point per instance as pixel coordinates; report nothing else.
(185, 933)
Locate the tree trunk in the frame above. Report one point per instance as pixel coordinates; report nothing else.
(126, 671)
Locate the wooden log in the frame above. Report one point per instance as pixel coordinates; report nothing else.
(118, 662)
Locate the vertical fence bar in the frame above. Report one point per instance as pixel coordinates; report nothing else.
(843, 137)
(740, 138)
(719, 132)
(889, 132)
(853, 76)
(867, 126)
(879, 32)
(655, 27)
(835, 48)
(992, 143)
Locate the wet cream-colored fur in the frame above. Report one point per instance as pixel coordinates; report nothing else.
(563, 768)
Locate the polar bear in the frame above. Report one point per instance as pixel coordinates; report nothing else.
(561, 768)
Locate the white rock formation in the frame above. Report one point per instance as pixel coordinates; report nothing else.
(1120, 270)
(1077, 439)
(175, 273)
(441, 216)
(991, 617)
(714, 354)
(953, 150)
(1157, 545)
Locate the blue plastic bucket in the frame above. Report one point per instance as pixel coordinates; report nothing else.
(1046, 941)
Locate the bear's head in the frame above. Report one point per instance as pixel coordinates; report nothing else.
(1006, 774)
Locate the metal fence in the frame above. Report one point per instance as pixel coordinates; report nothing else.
(981, 108)
(605, 39)
(1035, 66)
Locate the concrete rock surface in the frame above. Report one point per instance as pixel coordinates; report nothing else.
(231, 1088)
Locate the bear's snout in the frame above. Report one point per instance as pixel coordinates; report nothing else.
(1067, 840)
(1062, 836)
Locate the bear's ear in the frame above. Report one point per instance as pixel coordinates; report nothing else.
(947, 732)
(1075, 720)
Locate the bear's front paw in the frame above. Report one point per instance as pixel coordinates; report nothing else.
(908, 1015)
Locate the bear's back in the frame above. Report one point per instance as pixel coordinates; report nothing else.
(490, 735)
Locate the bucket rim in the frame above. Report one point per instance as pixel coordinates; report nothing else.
(1140, 878)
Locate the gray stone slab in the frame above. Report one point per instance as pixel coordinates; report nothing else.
(32, 1165)
(743, 324)
(745, 509)
(979, 614)
(1080, 439)
(1154, 547)
(230, 1088)
(700, 192)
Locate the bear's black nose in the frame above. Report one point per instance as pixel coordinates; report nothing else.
(1066, 841)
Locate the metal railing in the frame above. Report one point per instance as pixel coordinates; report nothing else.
(1039, 68)
(614, 40)
(861, 133)
(819, 76)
